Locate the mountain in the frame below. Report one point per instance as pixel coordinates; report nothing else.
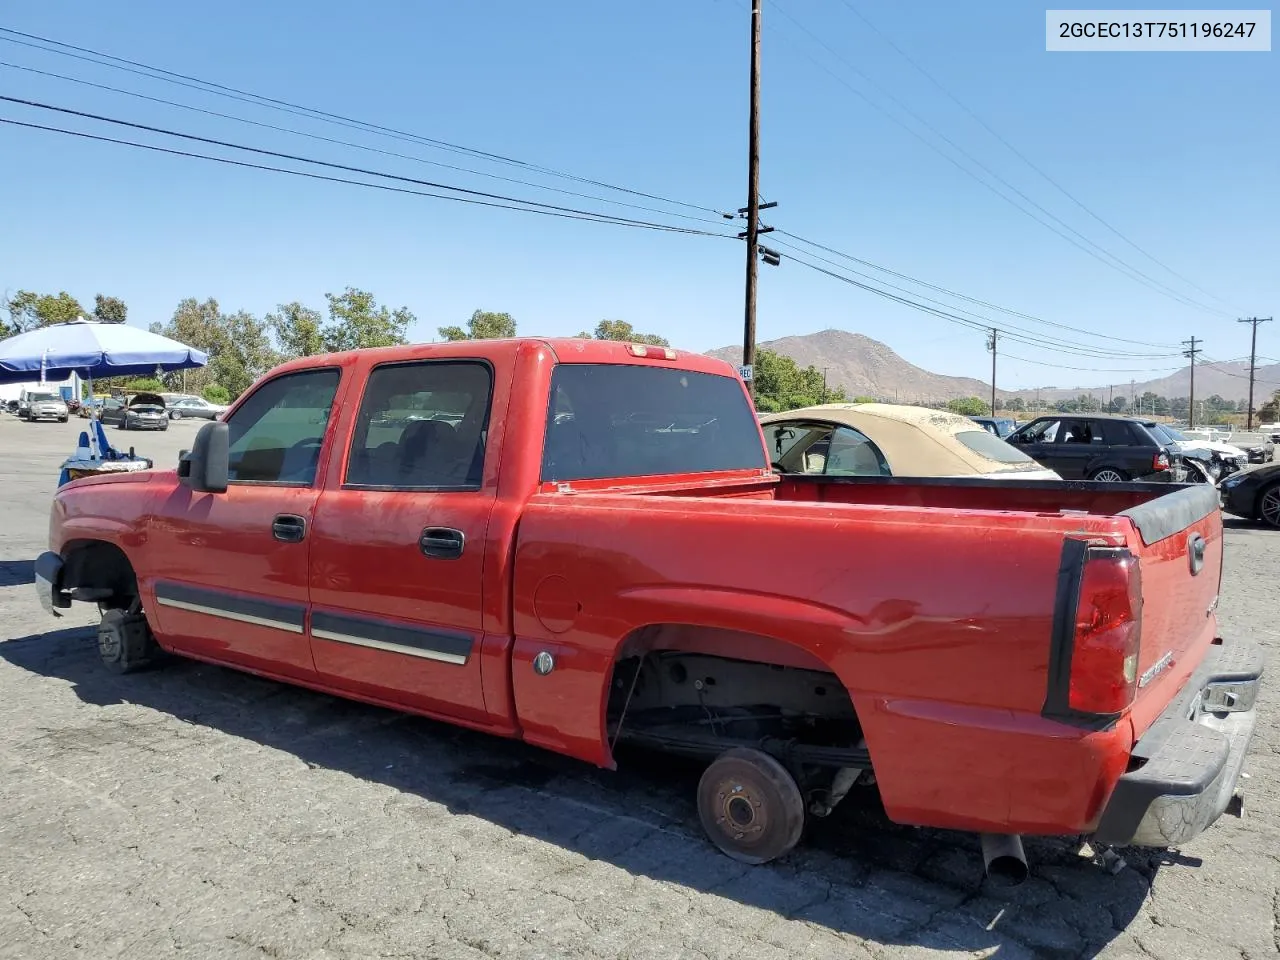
(1228, 380)
(865, 367)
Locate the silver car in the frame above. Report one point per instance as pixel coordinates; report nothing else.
(46, 406)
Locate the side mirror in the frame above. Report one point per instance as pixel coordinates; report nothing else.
(206, 466)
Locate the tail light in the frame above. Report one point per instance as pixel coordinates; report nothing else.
(1160, 461)
(1108, 628)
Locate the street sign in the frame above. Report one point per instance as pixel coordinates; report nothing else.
(747, 373)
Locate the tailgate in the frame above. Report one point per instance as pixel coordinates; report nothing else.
(1178, 541)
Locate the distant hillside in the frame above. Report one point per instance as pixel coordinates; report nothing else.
(865, 367)
(1228, 380)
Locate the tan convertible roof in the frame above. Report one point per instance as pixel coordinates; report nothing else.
(917, 441)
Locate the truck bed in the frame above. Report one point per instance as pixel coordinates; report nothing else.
(940, 605)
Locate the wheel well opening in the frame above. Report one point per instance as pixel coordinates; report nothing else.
(97, 571)
(698, 692)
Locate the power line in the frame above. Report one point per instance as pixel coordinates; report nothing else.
(1020, 334)
(583, 215)
(924, 308)
(219, 89)
(1021, 156)
(1124, 268)
(301, 159)
(1059, 366)
(353, 144)
(968, 299)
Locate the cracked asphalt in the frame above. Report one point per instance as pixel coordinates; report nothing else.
(196, 811)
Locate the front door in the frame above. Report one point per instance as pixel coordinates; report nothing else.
(398, 549)
(232, 580)
(1037, 441)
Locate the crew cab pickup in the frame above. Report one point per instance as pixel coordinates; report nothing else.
(581, 544)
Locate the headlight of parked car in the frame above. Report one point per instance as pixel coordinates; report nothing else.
(1234, 480)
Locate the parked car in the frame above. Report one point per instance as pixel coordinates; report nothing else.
(1000, 426)
(1253, 495)
(46, 406)
(888, 440)
(1100, 447)
(583, 545)
(142, 411)
(1219, 459)
(90, 406)
(195, 407)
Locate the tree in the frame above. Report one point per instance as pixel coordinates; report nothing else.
(357, 322)
(969, 406)
(1015, 404)
(298, 331)
(29, 310)
(216, 393)
(1117, 404)
(780, 384)
(143, 385)
(109, 309)
(1269, 412)
(245, 352)
(483, 325)
(862, 399)
(623, 331)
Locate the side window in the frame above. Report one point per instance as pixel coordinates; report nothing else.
(1116, 433)
(422, 426)
(1044, 432)
(275, 435)
(851, 454)
(1082, 431)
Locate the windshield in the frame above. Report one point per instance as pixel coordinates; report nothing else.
(45, 398)
(608, 420)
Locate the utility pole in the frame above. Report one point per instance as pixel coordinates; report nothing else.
(1111, 398)
(824, 384)
(991, 345)
(753, 205)
(1191, 352)
(1131, 392)
(1253, 363)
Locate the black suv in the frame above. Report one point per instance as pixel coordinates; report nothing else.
(1096, 447)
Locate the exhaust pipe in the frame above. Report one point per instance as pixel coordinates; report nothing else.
(1003, 859)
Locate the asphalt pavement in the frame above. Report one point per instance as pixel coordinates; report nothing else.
(200, 812)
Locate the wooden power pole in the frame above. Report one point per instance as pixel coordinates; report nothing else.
(1253, 363)
(991, 345)
(1191, 352)
(753, 206)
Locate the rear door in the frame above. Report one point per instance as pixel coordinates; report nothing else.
(398, 547)
(1079, 448)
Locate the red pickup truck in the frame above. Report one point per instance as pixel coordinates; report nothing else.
(580, 543)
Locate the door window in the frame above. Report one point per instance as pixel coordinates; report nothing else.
(422, 426)
(821, 449)
(1046, 431)
(1082, 432)
(275, 435)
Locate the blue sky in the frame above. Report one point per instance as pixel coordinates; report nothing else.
(1176, 151)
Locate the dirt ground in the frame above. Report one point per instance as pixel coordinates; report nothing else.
(196, 811)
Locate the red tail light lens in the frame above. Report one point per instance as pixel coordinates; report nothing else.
(1104, 658)
(1161, 462)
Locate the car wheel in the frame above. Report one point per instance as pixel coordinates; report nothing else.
(1269, 506)
(1109, 475)
(175, 414)
(750, 806)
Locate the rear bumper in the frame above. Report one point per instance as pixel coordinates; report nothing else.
(48, 583)
(1191, 757)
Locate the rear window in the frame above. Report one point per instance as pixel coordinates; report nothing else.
(611, 420)
(988, 445)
